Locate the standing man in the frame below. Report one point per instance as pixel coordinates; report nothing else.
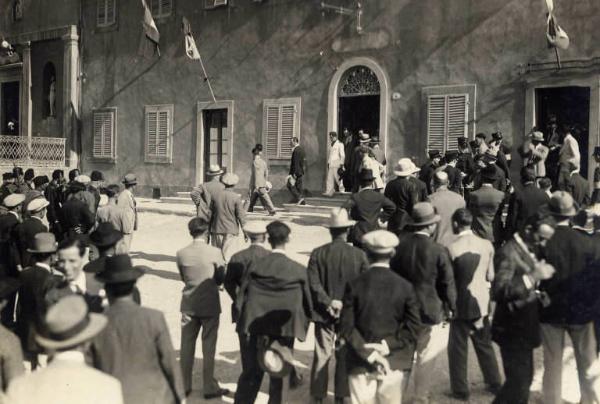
(569, 153)
(578, 186)
(426, 264)
(454, 174)
(55, 195)
(349, 145)
(485, 204)
(295, 182)
(381, 343)
(203, 193)
(524, 203)
(228, 216)
(116, 215)
(11, 356)
(202, 268)
(428, 169)
(330, 268)
(445, 202)
(76, 218)
(31, 226)
(136, 346)
(126, 200)
(335, 161)
(259, 187)
(403, 192)
(481, 146)
(473, 263)
(536, 154)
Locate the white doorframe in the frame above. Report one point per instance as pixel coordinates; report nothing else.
(204, 106)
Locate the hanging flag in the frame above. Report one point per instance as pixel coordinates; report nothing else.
(190, 44)
(150, 29)
(557, 37)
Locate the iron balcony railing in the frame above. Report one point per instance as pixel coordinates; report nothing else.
(35, 151)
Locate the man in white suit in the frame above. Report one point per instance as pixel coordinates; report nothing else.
(335, 160)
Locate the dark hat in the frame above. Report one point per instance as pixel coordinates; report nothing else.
(596, 151)
(40, 180)
(119, 269)
(488, 173)
(333, 133)
(497, 135)
(257, 148)
(489, 157)
(97, 176)
(276, 359)
(434, 153)
(105, 235)
(562, 205)
(8, 286)
(423, 214)
(473, 144)
(366, 175)
(463, 141)
(451, 155)
(481, 136)
(130, 179)
(7, 176)
(29, 174)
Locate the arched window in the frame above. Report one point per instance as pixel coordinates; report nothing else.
(357, 81)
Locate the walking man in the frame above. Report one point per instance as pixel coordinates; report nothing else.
(117, 216)
(202, 194)
(445, 203)
(228, 215)
(330, 268)
(295, 182)
(473, 262)
(484, 204)
(335, 161)
(202, 268)
(126, 200)
(259, 187)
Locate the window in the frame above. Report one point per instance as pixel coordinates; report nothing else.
(104, 133)
(161, 8)
(106, 14)
(159, 129)
(281, 122)
(210, 4)
(450, 109)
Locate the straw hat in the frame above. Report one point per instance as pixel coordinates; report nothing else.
(537, 136)
(276, 359)
(562, 205)
(230, 179)
(405, 167)
(255, 227)
(214, 169)
(339, 219)
(83, 179)
(37, 204)
(129, 179)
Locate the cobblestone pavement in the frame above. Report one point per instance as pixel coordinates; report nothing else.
(154, 246)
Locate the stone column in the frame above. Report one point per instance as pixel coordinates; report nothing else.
(70, 89)
(26, 108)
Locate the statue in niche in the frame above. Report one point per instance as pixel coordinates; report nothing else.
(18, 10)
(52, 97)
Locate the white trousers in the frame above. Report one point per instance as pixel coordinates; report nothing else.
(368, 388)
(333, 179)
(432, 342)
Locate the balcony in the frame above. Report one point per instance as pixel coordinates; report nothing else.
(38, 152)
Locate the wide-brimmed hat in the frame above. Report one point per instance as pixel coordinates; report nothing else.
(83, 179)
(129, 179)
(339, 219)
(405, 167)
(366, 175)
(105, 235)
(255, 227)
(562, 205)
(380, 241)
(69, 324)
(230, 179)
(596, 152)
(214, 169)
(119, 269)
(423, 214)
(8, 286)
(537, 136)
(13, 200)
(276, 359)
(364, 138)
(489, 173)
(43, 243)
(37, 204)
(434, 153)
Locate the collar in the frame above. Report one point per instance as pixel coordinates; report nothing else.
(468, 232)
(201, 239)
(422, 233)
(293, 148)
(14, 213)
(528, 183)
(380, 265)
(44, 265)
(70, 356)
(487, 185)
(38, 218)
(279, 251)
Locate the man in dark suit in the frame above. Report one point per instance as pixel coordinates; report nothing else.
(31, 226)
(381, 343)
(202, 268)
(454, 175)
(578, 186)
(426, 264)
(76, 217)
(403, 192)
(368, 208)
(295, 182)
(330, 268)
(465, 163)
(525, 202)
(54, 193)
(275, 305)
(484, 204)
(428, 169)
(135, 347)
(516, 327)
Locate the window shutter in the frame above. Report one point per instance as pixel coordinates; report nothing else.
(457, 119)
(436, 122)
(110, 12)
(159, 127)
(162, 147)
(104, 134)
(272, 130)
(106, 12)
(281, 123)
(288, 115)
(151, 128)
(101, 13)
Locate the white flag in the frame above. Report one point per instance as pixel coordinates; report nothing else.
(190, 44)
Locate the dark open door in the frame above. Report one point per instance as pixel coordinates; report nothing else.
(216, 138)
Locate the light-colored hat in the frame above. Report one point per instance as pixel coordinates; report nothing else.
(69, 324)
(380, 241)
(364, 138)
(129, 179)
(230, 179)
(83, 179)
(537, 135)
(562, 204)
(339, 219)
(43, 243)
(423, 214)
(255, 227)
(405, 167)
(37, 204)
(276, 359)
(13, 200)
(214, 169)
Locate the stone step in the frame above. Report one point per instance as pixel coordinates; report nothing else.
(185, 194)
(292, 207)
(177, 200)
(333, 202)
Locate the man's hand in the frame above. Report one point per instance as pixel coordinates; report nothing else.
(381, 348)
(542, 271)
(380, 362)
(335, 308)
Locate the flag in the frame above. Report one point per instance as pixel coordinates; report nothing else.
(150, 30)
(190, 44)
(556, 36)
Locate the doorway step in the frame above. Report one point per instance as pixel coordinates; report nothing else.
(320, 204)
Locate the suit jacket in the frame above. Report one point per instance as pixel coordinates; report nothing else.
(580, 189)
(523, 204)
(136, 348)
(26, 232)
(237, 270)
(421, 189)
(426, 264)
(330, 268)
(516, 318)
(11, 358)
(260, 174)
(484, 204)
(404, 193)
(228, 213)
(498, 183)
(76, 217)
(466, 163)
(426, 175)
(115, 215)
(274, 299)
(454, 178)
(65, 380)
(366, 207)
(473, 263)
(10, 255)
(337, 155)
(54, 196)
(364, 320)
(126, 200)
(446, 202)
(298, 162)
(202, 196)
(535, 157)
(201, 267)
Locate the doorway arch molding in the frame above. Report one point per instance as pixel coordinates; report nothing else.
(384, 95)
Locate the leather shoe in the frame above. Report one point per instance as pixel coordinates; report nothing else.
(217, 394)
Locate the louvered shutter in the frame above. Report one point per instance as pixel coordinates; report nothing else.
(104, 134)
(151, 132)
(447, 117)
(159, 129)
(272, 130)
(288, 119)
(457, 119)
(436, 122)
(162, 147)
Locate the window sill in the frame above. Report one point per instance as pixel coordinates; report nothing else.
(158, 160)
(106, 160)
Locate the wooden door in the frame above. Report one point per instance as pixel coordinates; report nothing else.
(216, 139)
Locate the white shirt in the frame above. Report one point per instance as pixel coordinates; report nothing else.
(70, 356)
(337, 154)
(79, 283)
(569, 152)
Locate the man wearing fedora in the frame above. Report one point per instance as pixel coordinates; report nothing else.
(126, 200)
(402, 190)
(524, 202)
(484, 204)
(426, 264)
(330, 268)
(67, 378)
(202, 194)
(535, 153)
(275, 306)
(31, 226)
(11, 356)
(335, 161)
(428, 169)
(380, 343)
(354, 169)
(259, 184)
(202, 268)
(136, 346)
(368, 208)
(116, 215)
(79, 190)
(105, 238)
(228, 215)
(445, 202)
(571, 310)
(295, 183)
(97, 182)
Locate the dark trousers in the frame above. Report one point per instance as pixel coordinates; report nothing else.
(190, 327)
(252, 374)
(7, 318)
(297, 190)
(265, 199)
(518, 369)
(460, 333)
(324, 349)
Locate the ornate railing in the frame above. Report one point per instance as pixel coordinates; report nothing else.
(30, 152)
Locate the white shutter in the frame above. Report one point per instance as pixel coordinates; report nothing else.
(272, 130)
(151, 132)
(288, 119)
(457, 119)
(281, 122)
(436, 122)
(447, 117)
(104, 134)
(159, 129)
(162, 147)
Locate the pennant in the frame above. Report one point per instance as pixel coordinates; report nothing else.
(190, 44)
(150, 29)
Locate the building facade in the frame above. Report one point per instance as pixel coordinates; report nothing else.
(417, 73)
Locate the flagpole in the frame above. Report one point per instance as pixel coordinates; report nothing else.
(206, 78)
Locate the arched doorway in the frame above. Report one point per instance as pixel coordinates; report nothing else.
(358, 101)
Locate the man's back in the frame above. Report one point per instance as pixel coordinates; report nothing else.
(115, 215)
(579, 189)
(213, 188)
(26, 232)
(524, 204)
(228, 213)
(446, 202)
(484, 204)
(259, 173)
(76, 214)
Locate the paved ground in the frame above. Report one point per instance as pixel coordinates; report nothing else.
(154, 246)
